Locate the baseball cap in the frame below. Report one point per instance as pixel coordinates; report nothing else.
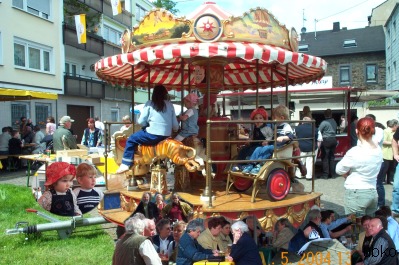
(57, 170)
(65, 119)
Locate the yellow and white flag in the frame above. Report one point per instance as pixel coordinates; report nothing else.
(80, 22)
(116, 7)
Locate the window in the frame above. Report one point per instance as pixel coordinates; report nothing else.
(32, 56)
(349, 43)
(42, 112)
(394, 71)
(71, 69)
(114, 114)
(40, 8)
(389, 76)
(303, 48)
(112, 35)
(371, 73)
(18, 110)
(394, 30)
(388, 37)
(140, 13)
(344, 75)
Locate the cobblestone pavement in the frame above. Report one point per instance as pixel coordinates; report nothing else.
(332, 189)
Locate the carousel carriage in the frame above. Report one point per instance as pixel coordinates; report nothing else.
(211, 54)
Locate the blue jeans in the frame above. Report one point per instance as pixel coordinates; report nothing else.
(380, 186)
(262, 152)
(140, 137)
(395, 191)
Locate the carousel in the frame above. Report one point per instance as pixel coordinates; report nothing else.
(210, 51)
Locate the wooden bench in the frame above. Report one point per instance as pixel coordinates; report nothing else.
(11, 161)
(284, 154)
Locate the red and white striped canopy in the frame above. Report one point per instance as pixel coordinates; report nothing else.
(247, 64)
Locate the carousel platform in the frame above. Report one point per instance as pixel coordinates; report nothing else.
(233, 205)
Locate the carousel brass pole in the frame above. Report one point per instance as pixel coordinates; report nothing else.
(182, 85)
(208, 186)
(107, 130)
(132, 181)
(257, 83)
(271, 90)
(286, 85)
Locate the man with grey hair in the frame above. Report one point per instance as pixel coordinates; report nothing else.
(382, 249)
(134, 248)
(62, 137)
(244, 250)
(312, 230)
(189, 250)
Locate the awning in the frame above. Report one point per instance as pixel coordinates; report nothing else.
(163, 64)
(8, 94)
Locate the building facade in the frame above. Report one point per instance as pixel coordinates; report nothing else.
(392, 49)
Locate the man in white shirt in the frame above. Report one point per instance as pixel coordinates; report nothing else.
(134, 248)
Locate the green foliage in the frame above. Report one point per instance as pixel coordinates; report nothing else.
(377, 103)
(75, 7)
(180, 30)
(166, 4)
(87, 245)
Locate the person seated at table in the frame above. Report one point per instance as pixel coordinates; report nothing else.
(253, 225)
(5, 136)
(40, 146)
(178, 230)
(27, 135)
(225, 235)
(209, 238)
(244, 250)
(59, 198)
(364, 242)
(87, 195)
(342, 225)
(283, 233)
(393, 226)
(15, 148)
(163, 237)
(189, 250)
(312, 228)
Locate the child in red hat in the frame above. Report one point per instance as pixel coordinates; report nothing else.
(59, 198)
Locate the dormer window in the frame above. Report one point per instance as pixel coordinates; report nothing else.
(303, 48)
(350, 43)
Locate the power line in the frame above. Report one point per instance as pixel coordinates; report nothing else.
(343, 10)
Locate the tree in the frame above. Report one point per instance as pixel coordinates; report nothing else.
(167, 4)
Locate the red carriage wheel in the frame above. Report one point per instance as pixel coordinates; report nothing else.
(278, 184)
(242, 184)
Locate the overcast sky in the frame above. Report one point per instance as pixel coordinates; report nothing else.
(350, 13)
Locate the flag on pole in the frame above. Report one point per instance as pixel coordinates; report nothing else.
(80, 22)
(116, 7)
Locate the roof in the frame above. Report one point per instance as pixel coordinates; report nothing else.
(329, 42)
(209, 8)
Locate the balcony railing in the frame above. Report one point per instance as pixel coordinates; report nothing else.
(84, 86)
(94, 43)
(94, 4)
(124, 18)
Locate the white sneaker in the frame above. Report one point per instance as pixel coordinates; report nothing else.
(122, 168)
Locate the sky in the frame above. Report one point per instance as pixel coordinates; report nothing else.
(350, 13)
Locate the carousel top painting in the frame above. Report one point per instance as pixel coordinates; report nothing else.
(256, 26)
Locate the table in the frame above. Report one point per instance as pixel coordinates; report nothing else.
(38, 157)
(205, 262)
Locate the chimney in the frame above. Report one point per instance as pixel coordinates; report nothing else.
(336, 27)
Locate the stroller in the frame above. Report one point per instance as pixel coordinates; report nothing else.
(48, 139)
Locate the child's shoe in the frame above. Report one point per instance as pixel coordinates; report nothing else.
(122, 168)
(236, 168)
(246, 169)
(256, 169)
